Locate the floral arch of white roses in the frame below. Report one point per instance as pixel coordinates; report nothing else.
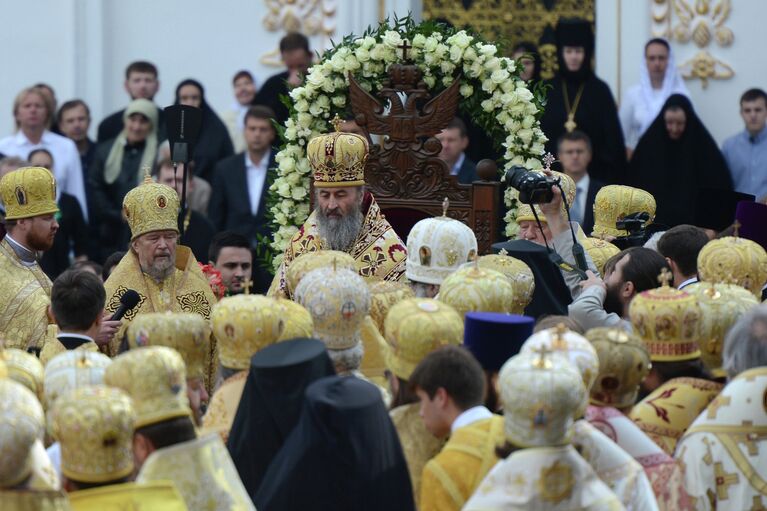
(493, 95)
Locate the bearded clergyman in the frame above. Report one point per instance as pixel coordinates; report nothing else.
(164, 274)
(346, 217)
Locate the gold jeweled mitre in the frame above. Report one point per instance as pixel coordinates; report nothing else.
(28, 192)
(338, 159)
(151, 207)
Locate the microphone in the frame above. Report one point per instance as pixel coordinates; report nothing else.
(128, 300)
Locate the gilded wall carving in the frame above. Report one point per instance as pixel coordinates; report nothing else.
(310, 17)
(698, 22)
(513, 20)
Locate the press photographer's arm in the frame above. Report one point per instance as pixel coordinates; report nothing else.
(562, 239)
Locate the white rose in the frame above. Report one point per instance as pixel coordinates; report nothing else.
(493, 64)
(528, 121)
(441, 51)
(430, 81)
(287, 165)
(431, 44)
(315, 78)
(392, 39)
(447, 67)
(488, 85)
(315, 109)
(447, 80)
(378, 52)
(299, 193)
(301, 106)
(460, 39)
(455, 53)
(524, 94)
(475, 70)
(508, 86)
(350, 64)
(303, 166)
(469, 55)
(517, 108)
(369, 42)
(466, 90)
(537, 148)
(304, 119)
(293, 178)
(337, 63)
(530, 109)
(290, 134)
(419, 41)
(429, 59)
(488, 50)
(487, 105)
(362, 54)
(525, 135)
(339, 101)
(284, 189)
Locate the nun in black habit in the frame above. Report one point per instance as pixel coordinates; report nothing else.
(675, 159)
(214, 143)
(344, 454)
(579, 100)
(271, 404)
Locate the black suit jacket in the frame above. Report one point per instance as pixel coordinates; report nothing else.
(269, 95)
(198, 235)
(467, 174)
(229, 208)
(588, 217)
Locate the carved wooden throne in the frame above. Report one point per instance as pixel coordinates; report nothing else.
(404, 172)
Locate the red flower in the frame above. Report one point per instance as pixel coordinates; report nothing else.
(214, 279)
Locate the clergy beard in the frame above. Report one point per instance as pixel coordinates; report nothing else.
(341, 232)
(613, 301)
(160, 269)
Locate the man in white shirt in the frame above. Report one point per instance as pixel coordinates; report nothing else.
(454, 141)
(574, 153)
(450, 384)
(680, 246)
(659, 79)
(33, 114)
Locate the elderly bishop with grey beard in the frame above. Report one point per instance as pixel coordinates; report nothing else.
(346, 217)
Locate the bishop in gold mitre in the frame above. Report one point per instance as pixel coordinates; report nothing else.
(346, 217)
(29, 196)
(164, 274)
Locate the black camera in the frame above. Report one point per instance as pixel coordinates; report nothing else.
(533, 187)
(636, 226)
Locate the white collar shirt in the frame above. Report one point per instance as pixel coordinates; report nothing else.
(256, 178)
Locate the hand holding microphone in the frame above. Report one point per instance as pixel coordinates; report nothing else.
(110, 325)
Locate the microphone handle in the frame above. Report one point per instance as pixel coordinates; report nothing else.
(120, 312)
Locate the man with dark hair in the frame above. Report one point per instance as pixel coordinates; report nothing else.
(74, 120)
(294, 49)
(574, 153)
(198, 230)
(230, 254)
(77, 305)
(606, 302)
(451, 386)
(241, 182)
(680, 246)
(746, 152)
(141, 82)
(455, 140)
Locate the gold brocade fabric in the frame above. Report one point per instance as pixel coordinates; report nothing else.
(155, 496)
(669, 410)
(29, 500)
(223, 405)
(203, 472)
(449, 479)
(615, 467)
(53, 347)
(187, 290)
(378, 252)
(418, 444)
(24, 300)
(543, 478)
(373, 362)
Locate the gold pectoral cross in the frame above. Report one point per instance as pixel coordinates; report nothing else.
(247, 285)
(570, 123)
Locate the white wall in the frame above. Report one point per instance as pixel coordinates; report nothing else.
(81, 47)
(623, 27)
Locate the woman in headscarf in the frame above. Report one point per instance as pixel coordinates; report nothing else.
(117, 168)
(214, 143)
(674, 159)
(343, 455)
(658, 79)
(271, 403)
(526, 53)
(579, 100)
